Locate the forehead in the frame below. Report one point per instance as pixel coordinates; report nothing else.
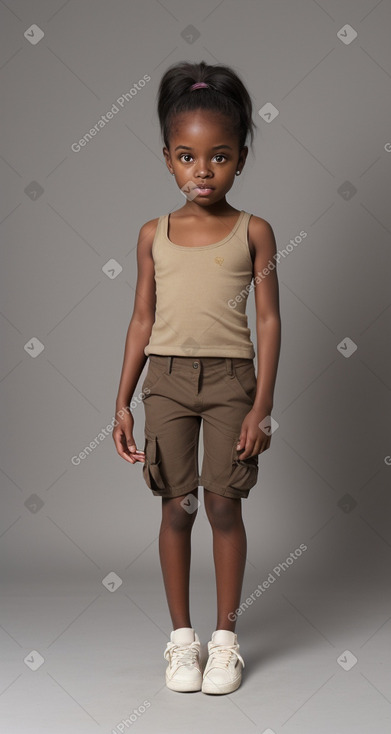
(201, 126)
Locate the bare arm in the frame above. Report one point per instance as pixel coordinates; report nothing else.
(143, 316)
(268, 314)
(137, 338)
(253, 440)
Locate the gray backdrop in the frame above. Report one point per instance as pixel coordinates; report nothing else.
(79, 537)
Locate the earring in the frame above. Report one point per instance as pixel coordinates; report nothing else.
(238, 173)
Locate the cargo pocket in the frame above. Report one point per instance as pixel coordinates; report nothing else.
(152, 464)
(244, 474)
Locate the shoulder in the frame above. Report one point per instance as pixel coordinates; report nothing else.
(149, 228)
(258, 228)
(260, 235)
(146, 235)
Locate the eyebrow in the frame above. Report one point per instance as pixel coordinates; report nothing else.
(186, 147)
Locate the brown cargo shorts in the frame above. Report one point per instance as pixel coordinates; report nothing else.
(180, 391)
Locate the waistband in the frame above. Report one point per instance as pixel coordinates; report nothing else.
(205, 362)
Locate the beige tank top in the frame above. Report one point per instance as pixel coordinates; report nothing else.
(201, 295)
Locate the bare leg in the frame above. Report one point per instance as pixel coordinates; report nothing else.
(229, 553)
(175, 556)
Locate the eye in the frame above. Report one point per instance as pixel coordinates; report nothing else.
(186, 156)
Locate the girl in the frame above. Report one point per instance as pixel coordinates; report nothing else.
(195, 268)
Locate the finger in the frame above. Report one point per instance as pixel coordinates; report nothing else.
(131, 450)
(126, 456)
(131, 446)
(242, 450)
(242, 440)
(246, 453)
(136, 456)
(130, 442)
(122, 448)
(119, 444)
(248, 447)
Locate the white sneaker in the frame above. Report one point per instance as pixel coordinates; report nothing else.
(223, 670)
(183, 672)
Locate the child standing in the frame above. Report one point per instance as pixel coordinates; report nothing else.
(195, 268)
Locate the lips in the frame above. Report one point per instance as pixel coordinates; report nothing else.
(203, 192)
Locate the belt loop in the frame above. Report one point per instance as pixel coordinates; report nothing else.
(229, 366)
(169, 364)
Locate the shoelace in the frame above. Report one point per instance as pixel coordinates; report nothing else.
(182, 654)
(222, 654)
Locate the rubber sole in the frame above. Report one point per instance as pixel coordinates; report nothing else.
(214, 689)
(182, 686)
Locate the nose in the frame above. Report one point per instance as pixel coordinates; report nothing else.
(202, 169)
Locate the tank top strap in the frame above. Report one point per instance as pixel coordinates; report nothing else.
(161, 228)
(243, 224)
(241, 232)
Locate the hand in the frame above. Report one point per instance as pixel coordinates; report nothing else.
(252, 439)
(123, 438)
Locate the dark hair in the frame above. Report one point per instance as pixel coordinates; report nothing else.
(226, 94)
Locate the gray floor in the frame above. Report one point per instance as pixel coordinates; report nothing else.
(103, 652)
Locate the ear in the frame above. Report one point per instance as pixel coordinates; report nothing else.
(243, 155)
(167, 157)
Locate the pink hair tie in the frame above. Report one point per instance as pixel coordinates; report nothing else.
(198, 85)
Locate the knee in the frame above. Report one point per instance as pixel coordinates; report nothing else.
(222, 512)
(177, 517)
